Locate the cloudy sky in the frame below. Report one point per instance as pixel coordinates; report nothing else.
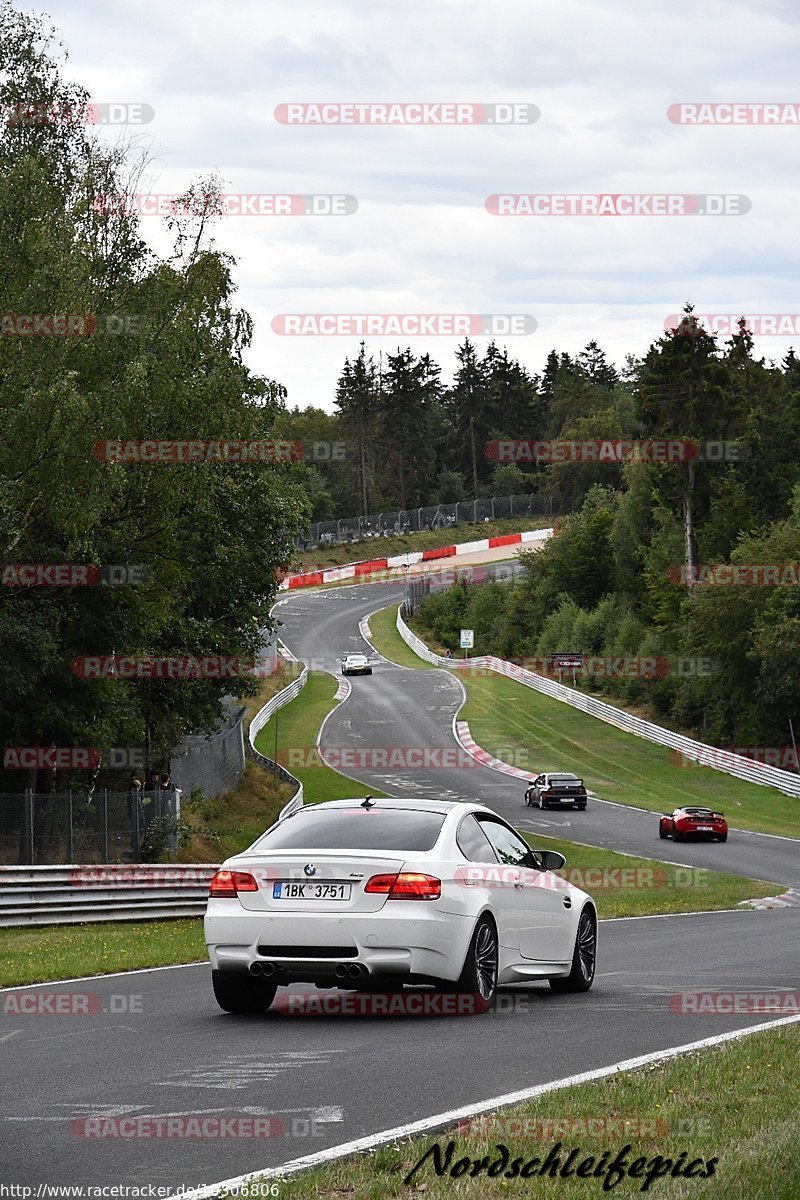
(602, 73)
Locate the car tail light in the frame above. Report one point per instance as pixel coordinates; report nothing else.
(408, 885)
(229, 883)
(547, 792)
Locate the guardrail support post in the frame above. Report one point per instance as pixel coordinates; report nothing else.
(105, 825)
(71, 836)
(27, 829)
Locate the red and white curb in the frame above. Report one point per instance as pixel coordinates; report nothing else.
(468, 743)
(343, 690)
(790, 899)
(374, 566)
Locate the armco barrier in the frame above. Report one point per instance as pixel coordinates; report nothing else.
(73, 893)
(735, 764)
(65, 895)
(259, 721)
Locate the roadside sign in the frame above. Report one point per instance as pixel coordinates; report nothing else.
(467, 639)
(566, 662)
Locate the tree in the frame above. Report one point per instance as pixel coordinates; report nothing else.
(409, 398)
(359, 403)
(179, 373)
(681, 393)
(467, 404)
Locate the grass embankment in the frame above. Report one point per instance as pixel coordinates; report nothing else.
(384, 547)
(538, 733)
(735, 1103)
(66, 951)
(297, 726)
(387, 641)
(547, 735)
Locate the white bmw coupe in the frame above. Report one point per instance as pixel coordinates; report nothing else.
(371, 894)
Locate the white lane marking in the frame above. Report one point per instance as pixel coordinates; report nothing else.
(328, 1115)
(242, 1071)
(471, 1110)
(24, 987)
(11, 1033)
(698, 912)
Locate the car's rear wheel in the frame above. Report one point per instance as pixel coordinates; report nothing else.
(238, 993)
(479, 976)
(581, 807)
(677, 837)
(584, 957)
(662, 833)
(723, 837)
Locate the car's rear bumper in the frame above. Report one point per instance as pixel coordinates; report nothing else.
(426, 943)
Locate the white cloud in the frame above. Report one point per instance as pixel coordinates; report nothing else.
(603, 77)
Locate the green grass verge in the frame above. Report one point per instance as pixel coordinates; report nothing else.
(735, 1103)
(297, 727)
(387, 547)
(542, 734)
(66, 951)
(625, 886)
(387, 641)
(215, 828)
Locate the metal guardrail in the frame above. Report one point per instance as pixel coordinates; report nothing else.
(711, 756)
(71, 893)
(66, 895)
(258, 722)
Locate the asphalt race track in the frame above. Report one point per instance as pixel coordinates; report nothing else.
(154, 1043)
(400, 707)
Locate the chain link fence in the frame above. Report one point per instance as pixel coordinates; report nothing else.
(438, 516)
(79, 826)
(213, 763)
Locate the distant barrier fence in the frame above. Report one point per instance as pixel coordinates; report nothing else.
(68, 894)
(437, 516)
(732, 764)
(258, 722)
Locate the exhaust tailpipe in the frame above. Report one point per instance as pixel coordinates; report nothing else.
(341, 971)
(268, 968)
(355, 971)
(255, 968)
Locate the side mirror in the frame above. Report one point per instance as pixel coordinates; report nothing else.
(551, 860)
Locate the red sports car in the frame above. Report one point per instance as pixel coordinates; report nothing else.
(688, 821)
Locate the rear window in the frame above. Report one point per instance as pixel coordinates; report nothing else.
(355, 829)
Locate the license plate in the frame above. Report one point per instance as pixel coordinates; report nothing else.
(567, 799)
(704, 829)
(290, 890)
